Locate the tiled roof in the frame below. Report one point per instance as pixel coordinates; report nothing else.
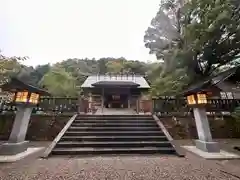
(200, 86)
(15, 84)
(88, 83)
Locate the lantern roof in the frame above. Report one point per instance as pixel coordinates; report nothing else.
(203, 85)
(14, 85)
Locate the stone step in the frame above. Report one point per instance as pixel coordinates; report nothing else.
(113, 133)
(119, 138)
(113, 121)
(113, 144)
(122, 115)
(114, 118)
(113, 151)
(114, 124)
(134, 128)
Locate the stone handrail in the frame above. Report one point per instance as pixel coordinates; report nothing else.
(169, 137)
(59, 136)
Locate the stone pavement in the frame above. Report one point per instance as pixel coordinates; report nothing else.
(113, 168)
(116, 167)
(115, 111)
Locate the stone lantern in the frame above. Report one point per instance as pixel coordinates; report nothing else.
(25, 97)
(198, 100)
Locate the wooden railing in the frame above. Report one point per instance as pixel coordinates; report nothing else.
(174, 106)
(162, 106)
(47, 105)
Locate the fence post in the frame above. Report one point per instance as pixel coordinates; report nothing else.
(153, 106)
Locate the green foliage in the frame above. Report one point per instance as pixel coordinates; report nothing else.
(171, 84)
(9, 66)
(59, 82)
(236, 122)
(211, 35)
(115, 66)
(194, 39)
(32, 75)
(64, 78)
(236, 113)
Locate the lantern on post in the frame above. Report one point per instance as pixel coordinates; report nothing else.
(25, 97)
(197, 99)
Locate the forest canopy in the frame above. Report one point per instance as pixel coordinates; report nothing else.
(65, 78)
(192, 40)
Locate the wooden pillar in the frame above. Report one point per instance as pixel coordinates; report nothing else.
(129, 96)
(90, 102)
(80, 105)
(102, 105)
(137, 105)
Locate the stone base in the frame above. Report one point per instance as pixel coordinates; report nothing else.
(207, 146)
(19, 156)
(13, 148)
(222, 155)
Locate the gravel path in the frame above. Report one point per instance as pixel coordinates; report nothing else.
(113, 168)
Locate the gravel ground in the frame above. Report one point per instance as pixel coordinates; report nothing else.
(124, 167)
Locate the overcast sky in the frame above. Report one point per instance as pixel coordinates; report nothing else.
(54, 30)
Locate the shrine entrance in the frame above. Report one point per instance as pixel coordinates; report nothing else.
(116, 101)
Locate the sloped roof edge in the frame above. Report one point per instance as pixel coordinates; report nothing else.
(212, 80)
(15, 84)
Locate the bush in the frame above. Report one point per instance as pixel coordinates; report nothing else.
(236, 121)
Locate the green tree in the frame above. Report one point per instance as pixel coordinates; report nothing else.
(9, 66)
(59, 83)
(102, 66)
(115, 66)
(211, 35)
(164, 32)
(196, 38)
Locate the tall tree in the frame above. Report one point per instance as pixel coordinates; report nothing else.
(33, 75)
(9, 66)
(102, 65)
(202, 37)
(164, 33)
(59, 83)
(212, 39)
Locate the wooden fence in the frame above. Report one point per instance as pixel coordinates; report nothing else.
(47, 105)
(162, 106)
(174, 106)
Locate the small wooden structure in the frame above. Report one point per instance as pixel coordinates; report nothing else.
(115, 91)
(224, 85)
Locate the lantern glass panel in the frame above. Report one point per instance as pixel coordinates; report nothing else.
(191, 100)
(34, 98)
(21, 97)
(202, 98)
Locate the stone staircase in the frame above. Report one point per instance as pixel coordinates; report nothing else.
(113, 134)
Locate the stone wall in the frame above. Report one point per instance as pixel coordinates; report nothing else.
(46, 128)
(41, 127)
(185, 128)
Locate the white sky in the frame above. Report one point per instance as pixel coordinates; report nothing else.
(54, 30)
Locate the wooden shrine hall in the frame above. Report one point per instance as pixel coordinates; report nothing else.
(114, 91)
